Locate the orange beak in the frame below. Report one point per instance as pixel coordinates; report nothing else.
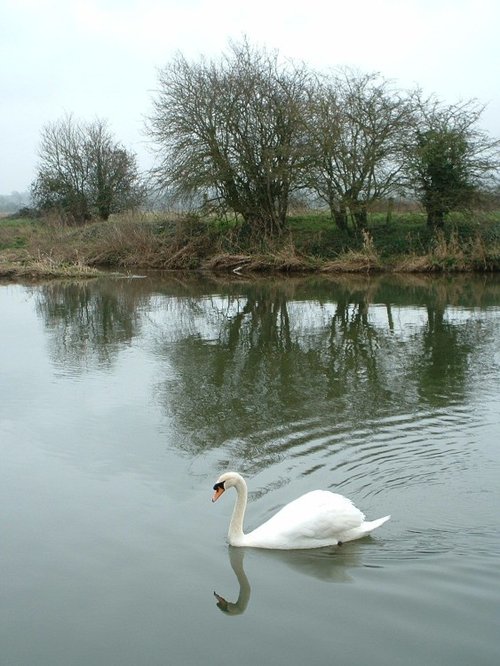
(218, 492)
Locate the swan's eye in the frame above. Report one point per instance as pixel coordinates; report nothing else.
(219, 486)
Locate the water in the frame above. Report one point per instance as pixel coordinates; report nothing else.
(122, 400)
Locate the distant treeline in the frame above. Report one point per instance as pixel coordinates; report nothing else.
(11, 203)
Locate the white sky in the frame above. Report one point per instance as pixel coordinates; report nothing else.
(99, 58)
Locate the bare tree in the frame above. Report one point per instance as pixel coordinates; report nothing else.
(449, 158)
(230, 132)
(113, 182)
(83, 171)
(62, 170)
(356, 129)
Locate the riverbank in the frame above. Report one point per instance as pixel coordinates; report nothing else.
(36, 249)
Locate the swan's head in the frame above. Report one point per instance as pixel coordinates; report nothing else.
(225, 481)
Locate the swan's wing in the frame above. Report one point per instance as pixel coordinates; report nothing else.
(317, 516)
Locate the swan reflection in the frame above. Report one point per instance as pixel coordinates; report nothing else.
(330, 565)
(236, 559)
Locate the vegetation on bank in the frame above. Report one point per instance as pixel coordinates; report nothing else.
(405, 243)
(83, 172)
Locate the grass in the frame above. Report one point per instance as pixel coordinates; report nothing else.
(15, 232)
(312, 243)
(363, 260)
(20, 266)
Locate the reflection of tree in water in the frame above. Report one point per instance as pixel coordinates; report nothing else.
(442, 366)
(281, 358)
(253, 359)
(270, 368)
(89, 320)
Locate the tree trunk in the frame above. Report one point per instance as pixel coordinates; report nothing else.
(360, 215)
(79, 209)
(390, 210)
(339, 215)
(435, 218)
(261, 228)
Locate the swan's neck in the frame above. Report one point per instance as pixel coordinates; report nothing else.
(235, 534)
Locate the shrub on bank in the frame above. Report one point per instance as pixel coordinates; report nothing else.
(185, 242)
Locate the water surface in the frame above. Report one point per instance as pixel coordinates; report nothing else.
(122, 400)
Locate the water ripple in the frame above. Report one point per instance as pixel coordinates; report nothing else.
(403, 449)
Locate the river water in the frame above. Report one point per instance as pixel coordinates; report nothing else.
(121, 402)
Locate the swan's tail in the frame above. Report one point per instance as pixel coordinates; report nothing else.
(373, 524)
(364, 529)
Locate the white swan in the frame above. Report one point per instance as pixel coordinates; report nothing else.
(318, 518)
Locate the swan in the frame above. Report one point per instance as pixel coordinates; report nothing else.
(314, 520)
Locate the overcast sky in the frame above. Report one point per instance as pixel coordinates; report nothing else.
(99, 58)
